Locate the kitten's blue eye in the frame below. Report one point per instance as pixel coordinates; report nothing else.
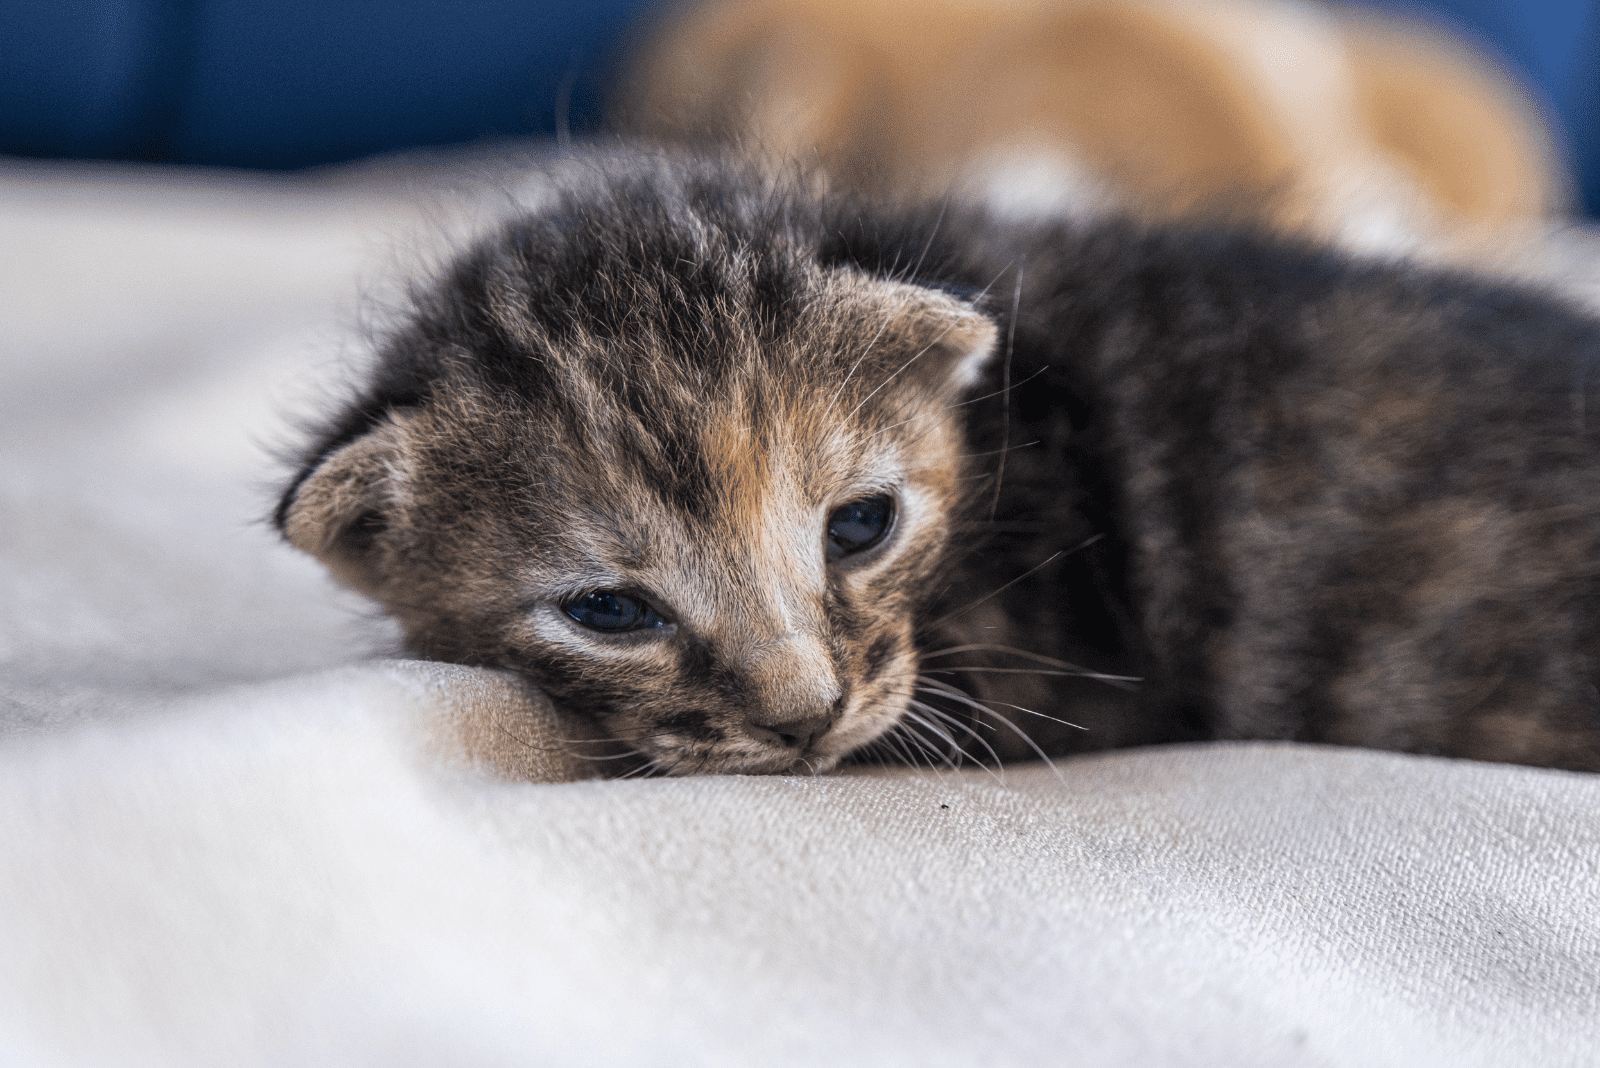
(612, 610)
(858, 525)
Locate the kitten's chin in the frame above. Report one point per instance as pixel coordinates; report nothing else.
(781, 764)
(751, 763)
(755, 758)
(800, 766)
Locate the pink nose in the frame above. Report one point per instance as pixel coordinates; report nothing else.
(797, 734)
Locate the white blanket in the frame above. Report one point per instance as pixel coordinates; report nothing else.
(229, 835)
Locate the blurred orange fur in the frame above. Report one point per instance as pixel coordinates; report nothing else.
(1281, 111)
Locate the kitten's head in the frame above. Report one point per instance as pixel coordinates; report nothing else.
(644, 448)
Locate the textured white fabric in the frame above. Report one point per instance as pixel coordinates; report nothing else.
(229, 836)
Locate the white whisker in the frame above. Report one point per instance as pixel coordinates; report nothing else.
(1005, 388)
(996, 393)
(928, 244)
(1121, 682)
(941, 734)
(1036, 567)
(956, 722)
(944, 689)
(954, 694)
(851, 373)
(914, 746)
(915, 357)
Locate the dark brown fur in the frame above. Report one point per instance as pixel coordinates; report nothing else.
(1296, 496)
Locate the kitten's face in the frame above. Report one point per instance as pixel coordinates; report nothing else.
(718, 556)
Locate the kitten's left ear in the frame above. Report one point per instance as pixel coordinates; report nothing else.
(954, 341)
(342, 506)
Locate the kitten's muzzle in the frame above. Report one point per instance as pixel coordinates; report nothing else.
(792, 690)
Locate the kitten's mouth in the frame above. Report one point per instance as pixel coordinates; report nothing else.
(749, 755)
(745, 762)
(813, 764)
(826, 756)
(782, 764)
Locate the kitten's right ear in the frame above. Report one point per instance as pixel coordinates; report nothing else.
(339, 509)
(953, 340)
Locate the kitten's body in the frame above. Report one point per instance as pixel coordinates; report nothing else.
(1296, 496)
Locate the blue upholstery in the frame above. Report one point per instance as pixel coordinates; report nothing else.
(286, 83)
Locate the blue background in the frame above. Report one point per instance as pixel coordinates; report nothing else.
(289, 83)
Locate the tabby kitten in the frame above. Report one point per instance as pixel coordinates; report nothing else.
(755, 476)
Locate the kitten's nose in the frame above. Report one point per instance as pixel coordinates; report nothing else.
(797, 734)
(794, 693)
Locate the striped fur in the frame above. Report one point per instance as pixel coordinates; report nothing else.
(635, 391)
(1297, 496)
